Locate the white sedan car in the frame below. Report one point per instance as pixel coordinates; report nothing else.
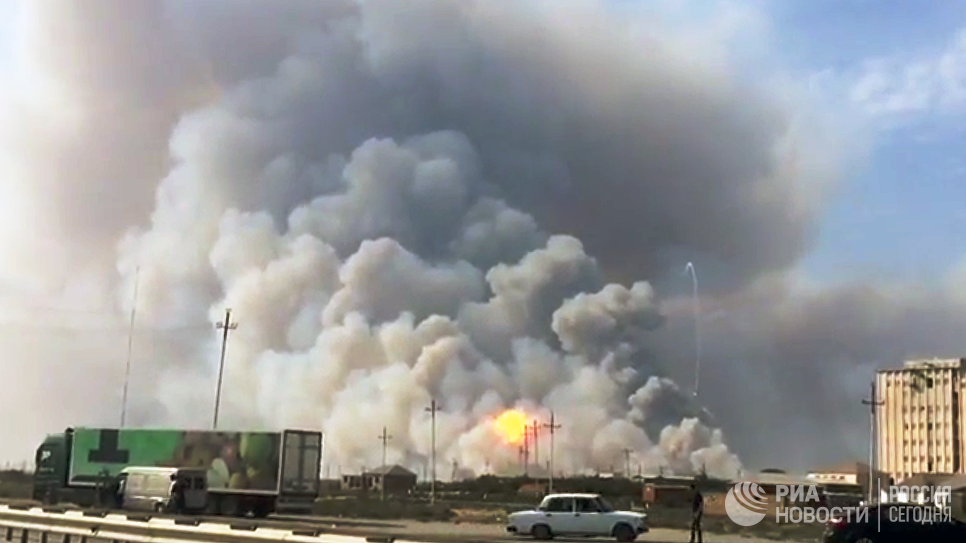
(577, 515)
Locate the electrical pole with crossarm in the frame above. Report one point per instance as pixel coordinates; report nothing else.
(872, 403)
(433, 409)
(627, 462)
(225, 325)
(385, 437)
(536, 443)
(553, 428)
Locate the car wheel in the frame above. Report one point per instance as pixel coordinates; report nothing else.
(624, 533)
(541, 532)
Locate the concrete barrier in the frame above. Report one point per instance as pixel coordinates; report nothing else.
(18, 523)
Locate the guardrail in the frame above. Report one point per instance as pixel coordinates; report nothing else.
(24, 524)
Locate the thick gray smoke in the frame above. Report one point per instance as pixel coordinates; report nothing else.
(403, 200)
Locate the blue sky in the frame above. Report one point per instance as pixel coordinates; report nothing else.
(902, 214)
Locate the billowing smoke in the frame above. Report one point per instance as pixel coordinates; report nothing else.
(473, 202)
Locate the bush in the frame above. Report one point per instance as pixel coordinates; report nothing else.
(16, 484)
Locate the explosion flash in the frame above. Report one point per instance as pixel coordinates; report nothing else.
(511, 426)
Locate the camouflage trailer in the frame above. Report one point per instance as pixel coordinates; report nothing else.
(249, 473)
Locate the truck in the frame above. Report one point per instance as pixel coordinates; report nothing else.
(249, 473)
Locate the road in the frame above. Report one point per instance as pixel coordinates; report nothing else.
(448, 532)
(445, 532)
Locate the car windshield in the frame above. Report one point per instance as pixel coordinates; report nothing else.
(605, 507)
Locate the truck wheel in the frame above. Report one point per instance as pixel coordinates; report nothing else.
(541, 532)
(624, 533)
(260, 509)
(212, 506)
(231, 506)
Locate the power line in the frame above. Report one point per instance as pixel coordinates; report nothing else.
(120, 328)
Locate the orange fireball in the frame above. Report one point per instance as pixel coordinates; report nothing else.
(511, 426)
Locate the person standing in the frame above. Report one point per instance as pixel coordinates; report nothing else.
(178, 487)
(697, 509)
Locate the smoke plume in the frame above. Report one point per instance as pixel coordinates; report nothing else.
(404, 200)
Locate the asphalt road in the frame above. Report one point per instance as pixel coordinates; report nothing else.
(445, 532)
(448, 532)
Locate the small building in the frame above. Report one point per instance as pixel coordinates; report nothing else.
(770, 480)
(667, 491)
(533, 488)
(847, 484)
(396, 479)
(352, 482)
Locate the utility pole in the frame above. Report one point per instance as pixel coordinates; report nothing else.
(225, 325)
(872, 403)
(385, 442)
(433, 409)
(553, 428)
(130, 345)
(627, 462)
(323, 468)
(536, 443)
(526, 452)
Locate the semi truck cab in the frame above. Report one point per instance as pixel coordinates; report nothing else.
(50, 471)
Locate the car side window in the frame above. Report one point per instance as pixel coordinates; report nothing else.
(560, 505)
(587, 505)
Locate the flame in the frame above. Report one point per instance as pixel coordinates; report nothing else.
(511, 426)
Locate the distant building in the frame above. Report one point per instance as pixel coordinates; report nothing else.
(848, 473)
(848, 476)
(920, 425)
(396, 479)
(847, 484)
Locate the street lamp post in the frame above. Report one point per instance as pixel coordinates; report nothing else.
(697, 325)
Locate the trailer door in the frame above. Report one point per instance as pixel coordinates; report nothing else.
(301, 453)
